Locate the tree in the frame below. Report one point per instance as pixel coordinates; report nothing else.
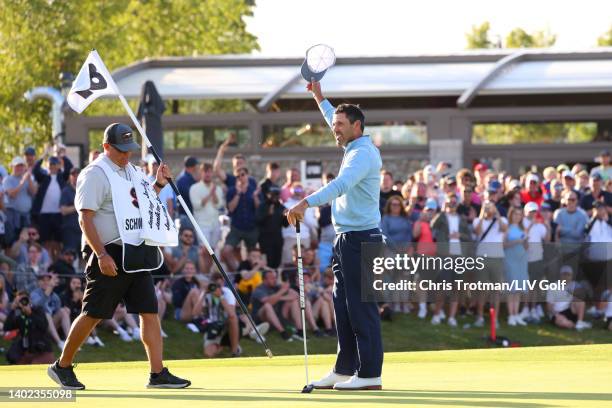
(42, 38)
(479, 37)
(519, 38)
(605, 40)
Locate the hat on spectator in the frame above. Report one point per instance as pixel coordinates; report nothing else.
(494, 186)
(562, 167)
(569, 174)
(545, 206)
(429, 169)
(599, 204)
(54, 160)
(596, 176)
(532, 177)
(450, 180)
(431, 204)
(43, 275)
(530, 206)
(566, 269)
(190, 161)
(604, 152)
(17, 160)
(481, 167)
(515, 184)
(69, 251)
(29, 151)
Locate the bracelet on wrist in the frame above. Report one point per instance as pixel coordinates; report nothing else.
(102, 255)
(160, 185)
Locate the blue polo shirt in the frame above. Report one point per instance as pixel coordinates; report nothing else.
(243, 216)
(355, 193)
(184, 183)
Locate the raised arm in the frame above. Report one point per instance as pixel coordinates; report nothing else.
(326, 108)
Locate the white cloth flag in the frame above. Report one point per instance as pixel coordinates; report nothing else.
(93, 81)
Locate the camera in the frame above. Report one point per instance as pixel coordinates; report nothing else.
(214, 329)
(212, 287)
(24, 301)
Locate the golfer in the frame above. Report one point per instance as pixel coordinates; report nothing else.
(355, 214)
(109, 255)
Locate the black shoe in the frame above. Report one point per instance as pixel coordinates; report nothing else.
(64, 377)
(286, 336)
(330, 332)
(318, 333)
(166, 380)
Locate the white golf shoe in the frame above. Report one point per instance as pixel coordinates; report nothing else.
(358, 383)
(331, 379)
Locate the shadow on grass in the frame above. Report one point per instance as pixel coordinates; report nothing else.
(403, 397)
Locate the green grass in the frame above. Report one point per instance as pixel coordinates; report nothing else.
(405, 333)
(536, 377)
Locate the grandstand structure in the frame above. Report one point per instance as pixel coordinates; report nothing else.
(511, 107)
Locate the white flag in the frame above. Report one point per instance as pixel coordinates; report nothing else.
(93, 81)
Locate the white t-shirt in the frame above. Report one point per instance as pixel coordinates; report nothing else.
(454, 247)
(492, 244)
(536, 236)
(50, 204)
(207, 215)
(228, 296)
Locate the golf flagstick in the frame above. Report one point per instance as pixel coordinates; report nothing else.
(307, 388)
(197, 228)
(94, 81)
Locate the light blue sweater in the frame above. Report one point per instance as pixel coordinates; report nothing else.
(355, 192)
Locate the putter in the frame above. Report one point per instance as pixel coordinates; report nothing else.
(308, 387)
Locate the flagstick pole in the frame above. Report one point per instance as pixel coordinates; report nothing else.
(199, 232)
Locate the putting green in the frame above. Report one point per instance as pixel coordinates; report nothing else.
(568, 376)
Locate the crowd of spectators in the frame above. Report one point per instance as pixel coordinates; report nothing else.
(531, 226)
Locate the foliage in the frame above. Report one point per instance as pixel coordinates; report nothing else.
(42, 38)
(516, 133)
(478, 37)
(519, 38)
(605, 40)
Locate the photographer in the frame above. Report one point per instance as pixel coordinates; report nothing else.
(32, 345)
(217, 310)
(270, 217)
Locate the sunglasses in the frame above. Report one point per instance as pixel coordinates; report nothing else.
(571, 199)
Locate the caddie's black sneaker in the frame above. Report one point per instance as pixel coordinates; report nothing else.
(65, 377)
(166, 380)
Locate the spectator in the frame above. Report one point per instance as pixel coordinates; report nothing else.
(605, 168)
(321, 308)
(122, 317)
(416, 201)
(583, 183)
(466, 208)
(64, 268)
(480, 172)
(19, 250)
(450, 231)
(270, 218)
(425, 245)
(206, 198)
(164, 297)
(166, 194)
(533, 191)
(49, 301)
(242, 202)
(250, 274)
(93, 155)
(187, 178)
(27, 273)
(512, 200)
(386, 189)
(569, 182)
(32, 345)
(238, 162)
(596, 194)
(46, 205)
(187, 297)
(327, 234)
(4, 303)
(489, 229)
(549, 174)
(6, 273)
(556, 190)
(273, 174)
(221, 319)
(516, 243)
(72, 297)
(308, 225)
(494, 194)
(19, 188)
(271, 301)
(538, 233)
(567, 311)
(598, 265)
(570, 227)
(71, 231)
(292, 176)
(185, 251)
(394, 223)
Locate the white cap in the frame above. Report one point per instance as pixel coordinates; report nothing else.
(17, 160)
(530, 206)
(566, 269)
(515, 184)
(532, 177)
(429, 169)
(570, 174)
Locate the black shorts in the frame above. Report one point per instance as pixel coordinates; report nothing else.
(50, 227)
(569, 315)
(103, 293)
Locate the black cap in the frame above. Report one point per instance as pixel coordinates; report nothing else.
(29, 151)
(604, 152)
(120, 137)
(190, 161)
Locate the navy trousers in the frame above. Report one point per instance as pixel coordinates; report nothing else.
(358, 323)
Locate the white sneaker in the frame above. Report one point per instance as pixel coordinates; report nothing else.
(163, 334)
(98, 342)
(452, 322)
(193, 328)
(331, 379)
(519, 320)
(525, 313)
(512, 320)
(358, 383)
(90, 341)
(60, 344)
(422, 310)
(535, 315)
(581, 325)
(540, 311)
(123, 335)
(136, 334)
(436, 320)
(442, 314)
(479, 322)
(263, 329)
